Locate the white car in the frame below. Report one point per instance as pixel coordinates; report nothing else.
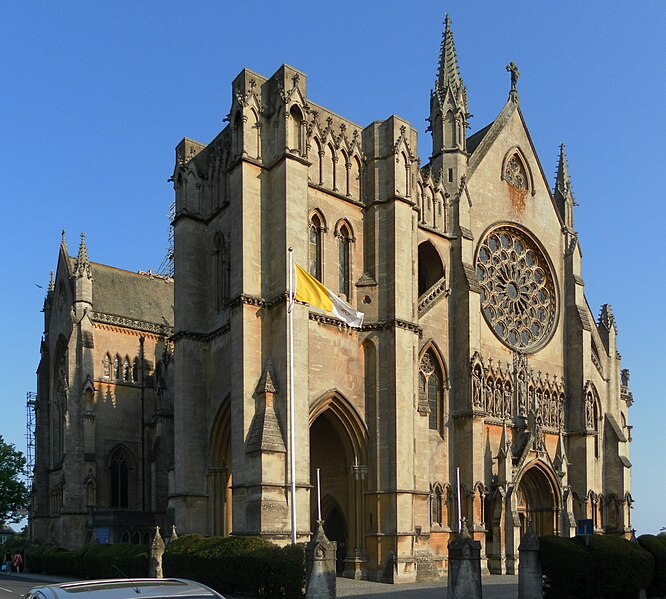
(125, 588)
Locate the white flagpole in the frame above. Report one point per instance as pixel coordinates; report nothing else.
(292, 441)
(459, 509)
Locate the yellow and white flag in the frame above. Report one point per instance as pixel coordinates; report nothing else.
(310, 291)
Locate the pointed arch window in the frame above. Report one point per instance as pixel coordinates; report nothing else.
(136, 371)
(315, 249)
(116, 368)
(119, 467)
(126, 370)
(296, 130)
(222, 269)
(432, 384)
(344, 260)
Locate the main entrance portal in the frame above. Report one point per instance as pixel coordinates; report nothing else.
(538, 502)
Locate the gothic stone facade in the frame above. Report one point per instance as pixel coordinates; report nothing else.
(104, 422)
(478, 352)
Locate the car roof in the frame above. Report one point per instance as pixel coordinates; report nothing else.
(126, 588)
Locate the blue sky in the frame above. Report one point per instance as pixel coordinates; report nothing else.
(97, 94)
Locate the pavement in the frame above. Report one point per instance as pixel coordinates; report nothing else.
(494, 587)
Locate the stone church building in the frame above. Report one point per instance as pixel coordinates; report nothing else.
(167, 400)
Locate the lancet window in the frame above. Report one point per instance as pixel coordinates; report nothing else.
(315, 249)
(119, 467)
(344, 260)
(431, 383)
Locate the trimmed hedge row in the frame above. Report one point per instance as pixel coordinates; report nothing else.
(239, 565)
(599, 567)
(97, 561)
(656, 545)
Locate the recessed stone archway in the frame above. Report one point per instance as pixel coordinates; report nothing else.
(538, 501)
(338, 448)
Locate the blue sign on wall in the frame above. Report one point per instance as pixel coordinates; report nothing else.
(584, 527)
(103, 535)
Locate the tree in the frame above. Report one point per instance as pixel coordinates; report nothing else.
(14, 493)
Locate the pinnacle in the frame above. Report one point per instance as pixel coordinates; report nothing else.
(82, 265)
(448, 71)
(562, 180)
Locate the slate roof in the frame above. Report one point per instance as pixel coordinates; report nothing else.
(138, 296)
(474, 140)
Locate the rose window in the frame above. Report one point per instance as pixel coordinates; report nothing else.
(517, 290)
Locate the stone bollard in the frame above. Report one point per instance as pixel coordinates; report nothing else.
(464, 566)
(530, 583)
(174, 534)
(156, 553)
(320, 575)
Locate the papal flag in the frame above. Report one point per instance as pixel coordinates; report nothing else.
(310, 291)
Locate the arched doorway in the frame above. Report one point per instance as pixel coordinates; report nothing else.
(337, 448)
(335, 527)
(537, 501)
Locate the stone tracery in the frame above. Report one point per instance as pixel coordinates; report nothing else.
(517, 290)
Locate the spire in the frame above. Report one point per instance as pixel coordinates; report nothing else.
(564, 198)
(51, 287)
(82, 265)
(448, 71)
(448, 115)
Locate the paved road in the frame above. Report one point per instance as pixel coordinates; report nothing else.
(14, 586)
(494, 587)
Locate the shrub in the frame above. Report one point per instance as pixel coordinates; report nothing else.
(565, 567)
(621, 568)
(239, 565)
(33, 558)
(114, 561)
(657, 547)
(600, 567)
(60, 562)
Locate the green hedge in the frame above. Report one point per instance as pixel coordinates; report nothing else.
(601, 567)
(565, 567)
(33, 558)
(97, 561)
(239, 565)
(114, 561)
(656, 545)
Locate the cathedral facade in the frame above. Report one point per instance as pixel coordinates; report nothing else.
(479, 359)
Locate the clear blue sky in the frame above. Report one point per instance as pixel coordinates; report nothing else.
(95, 96)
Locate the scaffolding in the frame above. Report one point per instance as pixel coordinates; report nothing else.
(30, 416)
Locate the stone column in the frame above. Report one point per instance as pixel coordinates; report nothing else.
(356, 564)
(464, 566)
(530, 585)
(320, 555)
